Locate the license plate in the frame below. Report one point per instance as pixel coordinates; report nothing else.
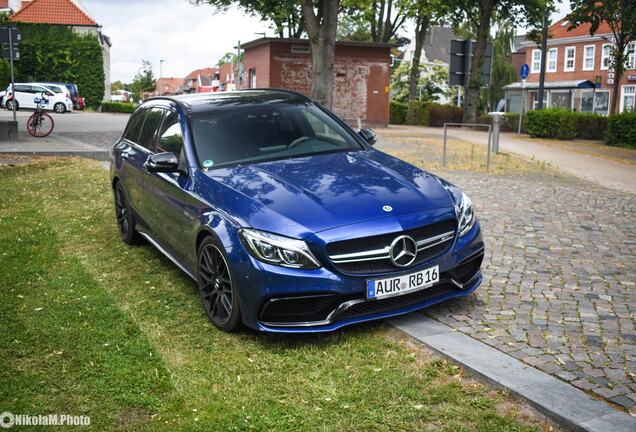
(399, 285)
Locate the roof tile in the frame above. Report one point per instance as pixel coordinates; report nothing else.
(63, 12)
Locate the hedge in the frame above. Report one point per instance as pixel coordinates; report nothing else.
(509, 122)
(397, 113)
(561, 124)
(440, 114)
(424, 114)
(57, 53)
(621, 130)
(118, 107)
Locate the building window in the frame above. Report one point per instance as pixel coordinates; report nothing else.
(560, 99)
(253, 78)
(628, 99)
(588, 57)
(552, 60)
(570, 59)
(536, 60)
(595, 101)
(606, 57)
(631, 56)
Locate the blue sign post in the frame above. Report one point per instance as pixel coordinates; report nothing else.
(523, 73)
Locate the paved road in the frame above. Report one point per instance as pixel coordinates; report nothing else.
(95, 130)
(560, 279)
(611, 174)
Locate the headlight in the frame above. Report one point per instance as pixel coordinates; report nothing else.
(463, 207)
(278, 250)
(465, 215)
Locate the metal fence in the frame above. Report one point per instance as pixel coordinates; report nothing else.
(489, 127)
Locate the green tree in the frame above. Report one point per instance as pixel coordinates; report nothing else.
(620, 16)
(228, 58)
(378, 20)
(479, 14)
(502, 70)
(432, 82)
(284, 16)
(144, 80)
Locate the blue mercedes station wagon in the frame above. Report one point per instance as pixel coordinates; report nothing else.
(287, 219)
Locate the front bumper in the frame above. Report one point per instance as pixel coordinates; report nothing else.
(282, 300)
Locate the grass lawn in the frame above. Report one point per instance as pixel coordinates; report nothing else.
(93, 327)
(424, 148)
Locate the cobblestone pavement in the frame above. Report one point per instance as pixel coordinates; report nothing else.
(560, 271)
(99, 139)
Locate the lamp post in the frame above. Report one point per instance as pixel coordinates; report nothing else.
(160, 75)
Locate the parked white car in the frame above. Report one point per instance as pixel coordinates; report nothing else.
(55, 88)
(27, 93)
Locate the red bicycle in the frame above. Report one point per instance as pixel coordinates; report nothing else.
(40, 124)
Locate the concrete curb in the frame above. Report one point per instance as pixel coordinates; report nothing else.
(566, 405)
(100, 155)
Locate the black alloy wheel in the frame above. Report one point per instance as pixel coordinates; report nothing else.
(125, 218)
(215, 287)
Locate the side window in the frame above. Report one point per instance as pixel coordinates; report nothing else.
(134, 125)
(22, 89)
(320, 128)
(170, 135)
(149, 129)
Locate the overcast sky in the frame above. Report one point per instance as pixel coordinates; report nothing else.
(187, 37)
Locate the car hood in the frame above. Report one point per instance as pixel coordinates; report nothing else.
(301, 196)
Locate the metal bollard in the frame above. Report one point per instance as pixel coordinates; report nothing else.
(496, 120)
(444, 152)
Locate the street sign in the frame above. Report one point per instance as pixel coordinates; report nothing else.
(6, 52)
(16, 36)
(525, 70)
(461, 58)
(598, 80)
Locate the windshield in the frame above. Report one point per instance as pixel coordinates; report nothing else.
(256, 133)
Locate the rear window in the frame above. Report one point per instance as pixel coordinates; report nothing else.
(259, 132)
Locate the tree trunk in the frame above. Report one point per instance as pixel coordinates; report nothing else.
(619, 62)
(322, 41)
(471, 99)
(420, 33)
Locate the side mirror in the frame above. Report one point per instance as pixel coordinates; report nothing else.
(368, 135)
(162, 162)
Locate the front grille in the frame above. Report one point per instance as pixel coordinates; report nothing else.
(370, 265)
(392, 303)
(300, 309)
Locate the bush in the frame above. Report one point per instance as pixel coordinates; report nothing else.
(561, 124)
(397, 113)
(418, 114)
(440, 114)
(621, 130)
(509, 122)
(552, 123)
(590, 126)
(118, 107)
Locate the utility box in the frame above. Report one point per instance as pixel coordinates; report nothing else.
(8, 130)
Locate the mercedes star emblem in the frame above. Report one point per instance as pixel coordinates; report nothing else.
(403, 251)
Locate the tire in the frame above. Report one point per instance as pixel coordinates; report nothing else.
(11, 104)
(125, 217)
(59, 108)
(44, 126)
(216, 289)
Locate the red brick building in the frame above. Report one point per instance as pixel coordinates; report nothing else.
(362, 75)
(575, 61)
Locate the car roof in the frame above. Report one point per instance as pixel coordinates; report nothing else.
(203, 102)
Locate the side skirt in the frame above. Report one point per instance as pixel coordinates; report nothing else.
(161, 249)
